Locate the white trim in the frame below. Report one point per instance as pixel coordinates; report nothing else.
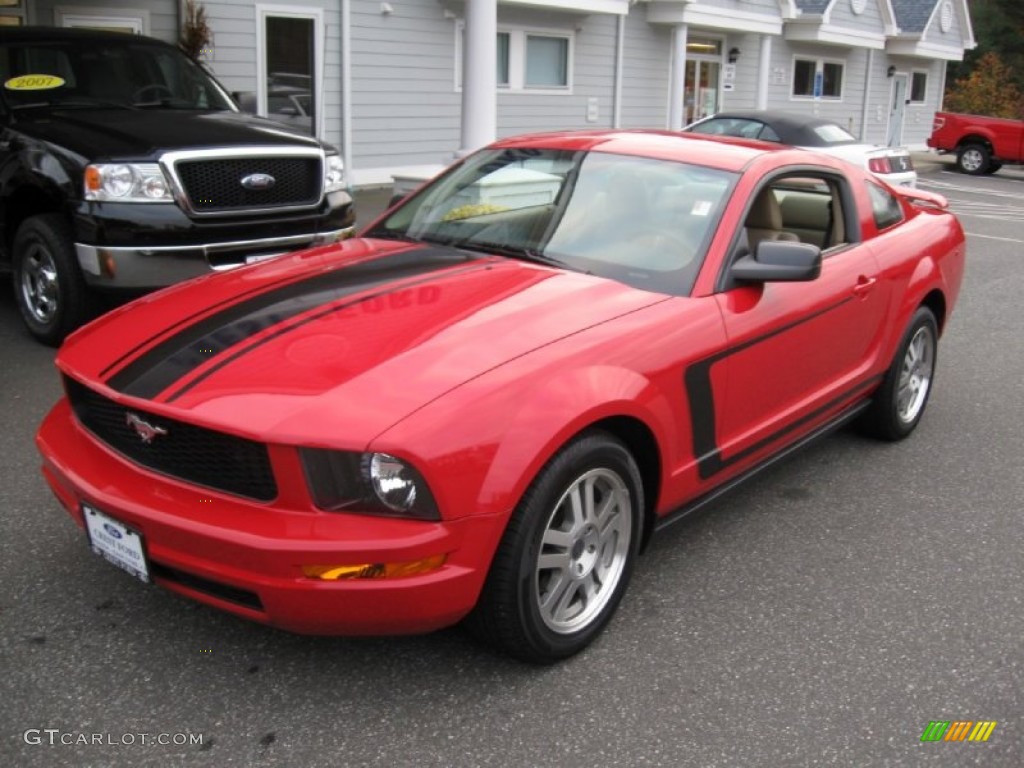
(616, 7)
(721, 19)
(809, 31)
(819, 66)
(897, 140)
(291, 12)
(137, 19)
(914, 46)
(346, 88)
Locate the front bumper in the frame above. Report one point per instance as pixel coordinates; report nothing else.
(246, 557)
(155, 267)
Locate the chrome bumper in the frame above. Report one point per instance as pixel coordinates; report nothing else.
(155, 267)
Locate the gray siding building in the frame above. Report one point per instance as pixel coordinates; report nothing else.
(384, 80)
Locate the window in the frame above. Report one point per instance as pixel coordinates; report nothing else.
(816, 78)
(885, 207)
(503, 65)
(918, 87)
(534, 60)
(547, 61)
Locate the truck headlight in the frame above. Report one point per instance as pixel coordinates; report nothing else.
(334, 174)
(127, 183)
(371, 483)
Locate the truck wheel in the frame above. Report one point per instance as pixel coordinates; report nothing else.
(973, 159)
(48, 286)
(993, 166)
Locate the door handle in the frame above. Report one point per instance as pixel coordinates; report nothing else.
(864, 285)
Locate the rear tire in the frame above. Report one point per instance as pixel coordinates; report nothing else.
(567, 555)
(993, 166)
(899, 403)
(48, 286)
(973, 159)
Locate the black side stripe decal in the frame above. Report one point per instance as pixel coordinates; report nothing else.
(700, 395)
(178, 355)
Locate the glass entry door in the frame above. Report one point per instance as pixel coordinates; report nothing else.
(702, 79)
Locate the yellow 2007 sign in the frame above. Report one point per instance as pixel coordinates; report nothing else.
(34, 83)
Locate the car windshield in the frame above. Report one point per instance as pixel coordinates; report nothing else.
(113, 74)
(642, 221)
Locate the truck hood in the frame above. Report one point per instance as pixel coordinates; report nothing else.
(342, 341)
(142, 134)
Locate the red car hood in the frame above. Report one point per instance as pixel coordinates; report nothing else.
(335, 344)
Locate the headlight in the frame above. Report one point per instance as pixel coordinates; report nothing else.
(334, 174)
(374, 483)
(127, 182)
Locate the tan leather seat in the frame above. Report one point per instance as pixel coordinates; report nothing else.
(764, 221)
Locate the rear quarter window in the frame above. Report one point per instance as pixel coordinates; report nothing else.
(885, 207)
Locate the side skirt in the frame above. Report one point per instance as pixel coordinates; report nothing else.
(714, 494)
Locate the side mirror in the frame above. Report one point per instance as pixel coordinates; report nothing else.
(779, 261)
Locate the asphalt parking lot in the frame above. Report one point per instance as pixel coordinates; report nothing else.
(822, 615)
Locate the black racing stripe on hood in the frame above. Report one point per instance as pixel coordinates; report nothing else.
(177, 356)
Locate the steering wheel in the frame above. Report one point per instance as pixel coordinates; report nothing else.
(159, 91)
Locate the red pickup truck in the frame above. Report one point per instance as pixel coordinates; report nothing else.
(982, 144)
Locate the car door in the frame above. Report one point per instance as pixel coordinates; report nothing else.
(798, 352)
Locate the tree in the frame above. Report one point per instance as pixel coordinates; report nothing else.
(998, 28)
(988, 90)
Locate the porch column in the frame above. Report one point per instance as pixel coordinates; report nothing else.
(677, 79)
(764, 71)
(479, 75)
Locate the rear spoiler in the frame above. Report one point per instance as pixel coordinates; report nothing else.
(915, 195)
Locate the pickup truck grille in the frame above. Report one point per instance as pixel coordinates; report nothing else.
(215, 184)
(194, 454)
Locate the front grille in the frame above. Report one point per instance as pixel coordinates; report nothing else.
(214, 185)
(194, 454)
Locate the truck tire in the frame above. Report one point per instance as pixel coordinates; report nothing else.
(993, 166)
(973, 159)
(48, 286)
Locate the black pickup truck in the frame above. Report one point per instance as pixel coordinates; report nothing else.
(125, 165)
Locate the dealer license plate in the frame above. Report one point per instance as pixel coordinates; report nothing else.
(116, 542)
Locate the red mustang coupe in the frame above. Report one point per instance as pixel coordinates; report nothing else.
(483, 407)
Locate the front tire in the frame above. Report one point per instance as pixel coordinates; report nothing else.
(973, 159)
(567, 555)
(48, 286)
(899, 404)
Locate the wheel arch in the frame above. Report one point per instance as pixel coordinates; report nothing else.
(23, 203)
(935, 300)
(975, 138)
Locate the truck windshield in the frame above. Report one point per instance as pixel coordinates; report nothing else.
(109, 73)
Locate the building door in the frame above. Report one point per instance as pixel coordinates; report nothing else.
(897, 110)
(290, 50)
(703, 75)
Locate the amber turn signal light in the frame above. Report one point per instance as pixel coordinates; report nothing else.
(374, 570)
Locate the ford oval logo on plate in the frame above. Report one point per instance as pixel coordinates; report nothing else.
(258, 181)
(112, 530)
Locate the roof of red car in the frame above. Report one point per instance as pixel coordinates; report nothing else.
(730, 154)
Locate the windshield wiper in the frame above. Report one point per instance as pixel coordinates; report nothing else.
(503, 249)
(75, 104)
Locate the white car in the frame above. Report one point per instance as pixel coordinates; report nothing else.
(890, 163)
